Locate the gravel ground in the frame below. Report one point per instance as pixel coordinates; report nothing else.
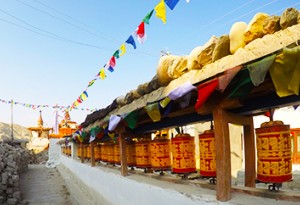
(43, 186)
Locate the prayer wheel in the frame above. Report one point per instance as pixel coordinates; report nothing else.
(79, 152)
(110, 153)
(131, 153)
(97, 152)
(207, 154)
(88, 151)
(183, 154)
(117, 153)
(143, 154)
(160, 154)
(104, 152)
(274, 159)
(85, 151)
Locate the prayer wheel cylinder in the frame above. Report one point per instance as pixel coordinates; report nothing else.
(97, 152)
(110, 153)
(160, 154)
(131, 153)
(85, 151)
(207, 154)
(69, 150)
(183, 154)
(79, 152)
(104, 152)
(143, 154)
(88, 151)
(117, 153)
(274, 160)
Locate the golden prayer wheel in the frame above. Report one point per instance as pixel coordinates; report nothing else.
(110, 153)
(85, 151)
(207, 154)
(97, 152)
(160, 154)
(131, 153)
(79, 152)
(117, 153)
(143, 154)
(274, 159)
(183, 154)
(88, 151)
(104, 151)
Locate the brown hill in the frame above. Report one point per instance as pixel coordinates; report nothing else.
(20, 132)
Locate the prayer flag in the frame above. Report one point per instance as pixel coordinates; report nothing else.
(140, 33)
(92, 82)
(171, 3)
(131, 119)
(113, 122)
(102, 74)
(112, 62)
(116, 54)
(147, 17)
(153, 112)
(285, 72)
(122, 49)
(160, 9)
(131, 41)
(226, 78)
(204, 91)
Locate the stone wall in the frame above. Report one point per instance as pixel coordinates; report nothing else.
(13, 161)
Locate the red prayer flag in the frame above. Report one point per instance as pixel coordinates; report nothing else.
(204, 91)
(112, 61)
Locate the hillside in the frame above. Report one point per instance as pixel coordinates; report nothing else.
(20, 132)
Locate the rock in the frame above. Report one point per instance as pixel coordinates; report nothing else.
(17, 195)
(254, 29)
(178, 67)
(15, 178)
(162, 70)
(4, 178)
(222, 48)
(202, 55)
(271, 25)
(9, 190)
(2, 199)
(12, 201)
(289, 17)
(236, 36)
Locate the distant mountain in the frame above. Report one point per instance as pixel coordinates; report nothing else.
(20, 132)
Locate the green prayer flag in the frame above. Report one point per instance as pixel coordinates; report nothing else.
(131, 119)
(116, 54)
(147, 17)
(241, 85)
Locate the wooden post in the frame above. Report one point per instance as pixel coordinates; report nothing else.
(250, 160)
(82, 151)
(123, 157)
(92, 145)
(249, 145)
(223, 158)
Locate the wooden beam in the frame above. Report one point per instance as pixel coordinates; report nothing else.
(223, 158)
(249, 150)
(82, 151)
(92, 147)
(123, 157)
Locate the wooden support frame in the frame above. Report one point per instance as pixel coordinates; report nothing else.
(123, 156)
(223, 154)
(82, 152)
(92, 146)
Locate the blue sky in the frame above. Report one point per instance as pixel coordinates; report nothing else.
(41, 70)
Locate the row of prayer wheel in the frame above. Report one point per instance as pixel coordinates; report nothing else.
(274, 164)
(66, 150)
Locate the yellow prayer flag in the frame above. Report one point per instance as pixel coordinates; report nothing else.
(165, 102)
(111, 135)
(102, 74)
(161, 12)
(122, 49)
(153, 112)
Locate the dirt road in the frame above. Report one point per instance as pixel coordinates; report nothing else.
(40, 185)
